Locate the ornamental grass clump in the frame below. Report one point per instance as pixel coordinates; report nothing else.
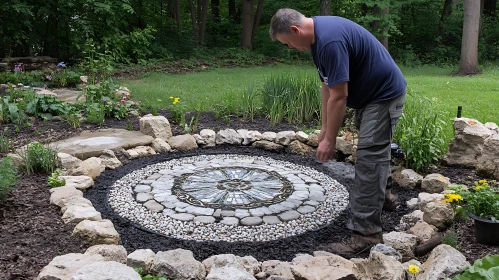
(481, 200)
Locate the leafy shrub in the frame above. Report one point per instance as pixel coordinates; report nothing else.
(95, 114)
(483, 269)
(450, 238)
(46, 106)
(10, 111)
(39, 158)
(54, 181)
(295, 98)
(52, 78)
(421, 132)
(482, 200)
(8, 177)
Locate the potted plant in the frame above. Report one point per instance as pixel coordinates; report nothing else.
(481, 203)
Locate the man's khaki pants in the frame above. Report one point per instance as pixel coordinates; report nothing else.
(376, 124)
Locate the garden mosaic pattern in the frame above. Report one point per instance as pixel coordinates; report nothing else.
(228, 197)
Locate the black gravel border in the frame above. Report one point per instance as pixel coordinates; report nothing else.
(133, 237)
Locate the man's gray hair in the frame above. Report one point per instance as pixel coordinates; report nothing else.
(282, 20)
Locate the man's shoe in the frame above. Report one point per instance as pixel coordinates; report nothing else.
(357, 243)
(391, 204)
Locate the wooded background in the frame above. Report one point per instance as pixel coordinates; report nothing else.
(414, 31)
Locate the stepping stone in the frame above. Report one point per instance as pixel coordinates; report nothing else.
(205, 219)
(277, 208)
(142, 188)
(182, 216)
(230, 221)
(217, 213)
(199, 211)
(242, 213)
(252, 221)
(182, 204)
(147, 182)
(289, 216)
(305, 209)
(169, 205)
(317, 196)
(288, 204)
(153, 206)
(168, 212)
(228, 213)
(271, 220)
(257, 212)
(91, 144)
(311, 202)
(143, 197)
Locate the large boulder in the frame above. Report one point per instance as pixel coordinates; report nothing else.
(285, 137)
(142, 258)
(434, 183)
(61, 195)
(488, 165)
(444, 261)
(116, 253)
(380, 266)
(467, 146)
(267, 145)
(160, 146)
(438, 213)
(249, 136)
(325, 267)
(183, 142)
(156, 126)
(67, 161)
(228, 137)
(108, 270)
(423, 230)
(91, 167)
(77, 213)
(230, 267)
(269, 136)
(63, 267)
(425, 198)
(402, 242)
(409, 220)
(78, 182)
(407, 178)
(209, 137)
(97, 232)
(109, 160)
(178, 264)
(297, 147)
(277, 270)
(346, 147)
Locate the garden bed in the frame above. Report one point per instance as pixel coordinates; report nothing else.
(33, 232)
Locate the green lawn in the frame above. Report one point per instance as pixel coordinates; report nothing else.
(478, 94)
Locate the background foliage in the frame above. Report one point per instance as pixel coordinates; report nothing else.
(418, 31)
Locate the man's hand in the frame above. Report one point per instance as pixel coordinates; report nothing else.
(325, 151)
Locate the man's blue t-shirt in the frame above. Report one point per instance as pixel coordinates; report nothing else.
(345, 51)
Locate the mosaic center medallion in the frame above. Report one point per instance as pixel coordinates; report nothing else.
(228, 197)
(232, 188)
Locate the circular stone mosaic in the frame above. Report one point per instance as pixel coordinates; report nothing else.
(228, 197)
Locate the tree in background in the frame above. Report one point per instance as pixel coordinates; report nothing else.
(471, 28)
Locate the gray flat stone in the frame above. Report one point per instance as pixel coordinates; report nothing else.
(242, 213)
(180, 210)
(168, 212)
(289, 216)
(231, 221)
(217, 213)
(91, 144)
(153, 206)
(182, 217)
(277, 208)
(288, 204)
(142, 188)
(154, 176)
(143, 197)
(271, 220)
(147, 182)
(168, 205)
(205, 219)
(311, 202)
(251, 221)
(228, 213)
(257, 212)
(306, 209)
(200, 211)
(182, 204)
(317, 196)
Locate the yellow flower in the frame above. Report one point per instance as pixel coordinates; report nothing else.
(482, 181)
(159, 100)
(175, 102)
(171, 97)
(177, 99)
(451, 197)
(413, 269)
(479, 187)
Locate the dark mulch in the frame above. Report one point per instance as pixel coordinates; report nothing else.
(31, 230)
(285, 249)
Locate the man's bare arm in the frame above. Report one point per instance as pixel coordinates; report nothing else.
(336, 107)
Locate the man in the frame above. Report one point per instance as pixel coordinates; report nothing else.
(356, 71)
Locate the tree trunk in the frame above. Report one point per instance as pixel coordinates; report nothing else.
(232, 10)
(202, 20)
(193, 13)
(247, 23)
(215, 10)
(384, 38)
(256, 21)
(177, 15)
(325, 8)
(445, 14)
(469, 47)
